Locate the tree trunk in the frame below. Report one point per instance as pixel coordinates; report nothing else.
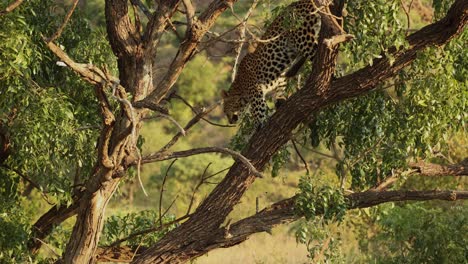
(89, 223)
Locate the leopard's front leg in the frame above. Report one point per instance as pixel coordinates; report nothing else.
(259, 108)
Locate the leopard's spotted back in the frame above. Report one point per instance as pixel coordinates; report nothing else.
(291, 36)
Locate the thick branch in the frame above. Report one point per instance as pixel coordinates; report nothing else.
(283, 212)
(435, 34)
(431, 169)
(45, 224)
(122, 33)
(193, 36)
(158, 22)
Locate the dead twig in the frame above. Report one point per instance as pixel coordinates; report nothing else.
(160, 156)
(161, 192)
(64, 24)
(203, 112)
(199, 184)
(306, 166)
(242, 30)
(168, 117)
(195, 111)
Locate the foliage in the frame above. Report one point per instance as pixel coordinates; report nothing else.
(48, 109)
(322, 244)
(117, 227)
(410, 116)
(48, 113)
(313, 200)
(417, 233)
(14, 223)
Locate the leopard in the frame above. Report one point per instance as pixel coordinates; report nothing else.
(287, 43)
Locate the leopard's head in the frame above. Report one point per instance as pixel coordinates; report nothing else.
(233, 106)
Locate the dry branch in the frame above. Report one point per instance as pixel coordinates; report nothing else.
(193, 36)
(88, 72)
(160, 156)
(431, 169)
(65, 21)
(283, 212)
(11, 7)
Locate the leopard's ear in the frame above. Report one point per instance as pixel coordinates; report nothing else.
(224, 94)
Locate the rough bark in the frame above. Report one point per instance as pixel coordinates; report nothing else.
(44, 225)
(431, 169)
(283, 212)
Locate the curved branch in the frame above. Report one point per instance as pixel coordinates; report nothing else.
(283, 212)
(160, 156)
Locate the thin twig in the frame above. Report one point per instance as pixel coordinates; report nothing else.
(149, 230)
(48, 246)
(176, 96)
(322, 154)
(35, 185)
(202, 180)
(162, 191)
(191, 123)
(242, 37)
(64, 24)
(300, 156)
(169, 207)
(142, 7)
(170, 118)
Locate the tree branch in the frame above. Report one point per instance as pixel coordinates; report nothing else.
(11, 7)
(160, 156)
(283, 212)
(431, 169)
(65, 21)
(192, 37)
(88, 72)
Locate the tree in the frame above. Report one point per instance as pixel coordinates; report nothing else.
(379, 142)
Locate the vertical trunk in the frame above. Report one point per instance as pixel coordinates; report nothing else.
(89, 223)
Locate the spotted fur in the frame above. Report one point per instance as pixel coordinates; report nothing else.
(293, 37)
